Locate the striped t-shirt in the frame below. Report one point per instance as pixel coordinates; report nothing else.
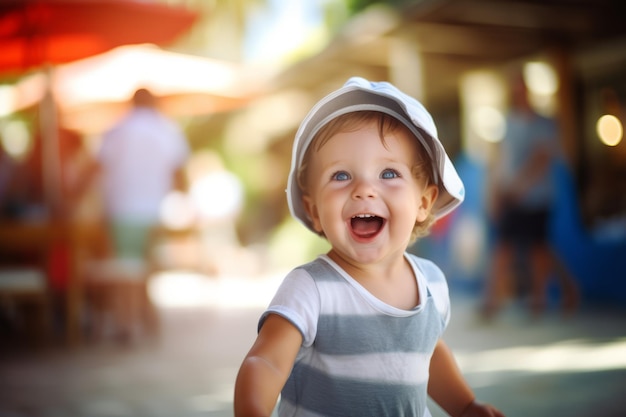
(359, 356)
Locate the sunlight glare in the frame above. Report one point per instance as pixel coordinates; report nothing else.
(217, 195)
(179, 289)
(177, 211)
(568, 356)
(7, 99)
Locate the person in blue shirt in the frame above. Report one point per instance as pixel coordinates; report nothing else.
(521, 206)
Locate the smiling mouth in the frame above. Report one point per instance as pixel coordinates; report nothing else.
(366, 226)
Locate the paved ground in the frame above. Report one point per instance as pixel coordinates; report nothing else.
(551, 367)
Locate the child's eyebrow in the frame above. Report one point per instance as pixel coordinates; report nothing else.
(330, 164)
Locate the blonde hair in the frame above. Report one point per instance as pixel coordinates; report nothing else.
(349, 122)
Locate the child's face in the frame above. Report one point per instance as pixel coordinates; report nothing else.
(363, 195)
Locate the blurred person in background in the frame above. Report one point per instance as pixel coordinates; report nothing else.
(141, 159)
(520, 206)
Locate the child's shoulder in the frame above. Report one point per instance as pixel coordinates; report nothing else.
(429, 269)
(320, 268)
(435, 281)
(418, 260)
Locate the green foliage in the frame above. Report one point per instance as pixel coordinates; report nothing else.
(356, 6)
(292, 244)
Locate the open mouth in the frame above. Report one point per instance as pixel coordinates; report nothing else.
(366, 226)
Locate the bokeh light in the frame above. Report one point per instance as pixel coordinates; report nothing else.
(15, 138)
(488, 123)
(610, 130)
(177, 211)
(540, 78)
(543, 83)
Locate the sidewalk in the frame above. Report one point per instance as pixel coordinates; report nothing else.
(552, 366)
(574, 367)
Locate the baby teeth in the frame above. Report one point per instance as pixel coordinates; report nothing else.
(365, 216)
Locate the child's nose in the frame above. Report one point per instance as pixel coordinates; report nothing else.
(363, 188)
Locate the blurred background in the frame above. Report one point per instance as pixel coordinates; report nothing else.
(238, 77)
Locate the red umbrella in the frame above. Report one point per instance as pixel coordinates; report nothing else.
(40, 33)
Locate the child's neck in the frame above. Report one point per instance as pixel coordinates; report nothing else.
(392, 282)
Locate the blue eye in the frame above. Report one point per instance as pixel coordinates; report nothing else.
(341, 176)
(389, 174)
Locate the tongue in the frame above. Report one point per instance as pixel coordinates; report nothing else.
(366, 227)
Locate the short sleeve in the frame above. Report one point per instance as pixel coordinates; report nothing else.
(297, 300)
(436, 284)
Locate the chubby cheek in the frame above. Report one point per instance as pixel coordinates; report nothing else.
(326, 212)
(404, 219)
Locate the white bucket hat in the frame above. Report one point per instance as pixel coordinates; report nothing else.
(358, 94)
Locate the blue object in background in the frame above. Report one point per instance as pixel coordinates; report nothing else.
(599, 266)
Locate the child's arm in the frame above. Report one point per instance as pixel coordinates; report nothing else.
(266, 367)
(447, 387)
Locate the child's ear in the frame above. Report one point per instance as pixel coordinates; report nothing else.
(426, 202)
(311, 210)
